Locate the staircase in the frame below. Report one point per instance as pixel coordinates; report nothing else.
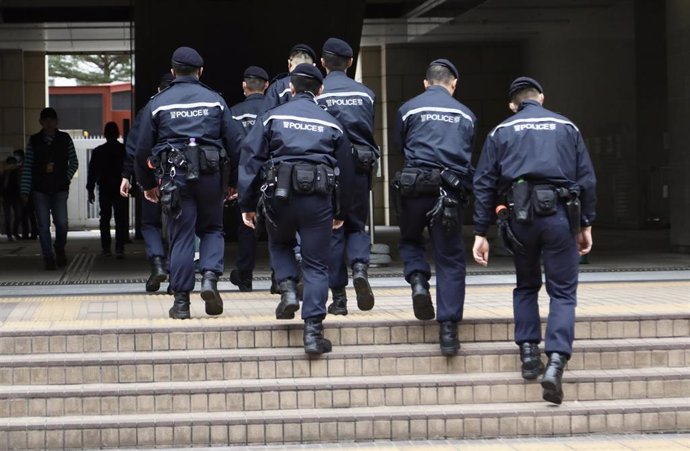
(194, 383)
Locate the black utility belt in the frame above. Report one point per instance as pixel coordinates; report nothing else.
(302, 178)
(541, 199)
(194, 160)
(364, 159)
(416, 182)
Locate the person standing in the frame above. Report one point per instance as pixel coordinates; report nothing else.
(435, 132)
(11, 200)
(254, 84)
(352, 104)
(105, 167)
(151, 221)
(278, 92)
(189, 137)
(49, 165)
(537, 161)
(292, 156)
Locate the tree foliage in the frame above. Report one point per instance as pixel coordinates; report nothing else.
(91, 69)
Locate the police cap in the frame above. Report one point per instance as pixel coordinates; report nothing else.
(337, 47)
(305, 49)
(447, 64)
(255, 72)
(521, 83)
(187, 56)
(307, 70)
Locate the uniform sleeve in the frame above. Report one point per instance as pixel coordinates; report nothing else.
(253, 155)
(372, 126)
(271, 100)
(145, 142)
(399, 135)
(72, 160)
(232, 140)
(131, 146)
(587, 181)
(485, 187)
(343, 154)
(28, 170)
(93, 170)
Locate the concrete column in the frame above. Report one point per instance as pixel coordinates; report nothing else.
(678, 65)
(35, 90)
(11, 101)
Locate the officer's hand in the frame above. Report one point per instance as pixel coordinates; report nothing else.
(249, 218)
(152, 195)
(337, 223)
(231, 194)
(584, 240)
(125, 187)
(92, 197)
(480, 250)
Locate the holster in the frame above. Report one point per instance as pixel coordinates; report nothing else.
(171, 199)
(446, 212)
(510, 241)
(519, 198)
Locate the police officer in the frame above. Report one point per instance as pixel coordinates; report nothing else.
(537, 159)
(278, 92)
(188, 134)
(352, 104)
(300, 148)
(436, 133)
(151, 223)
(255, 82)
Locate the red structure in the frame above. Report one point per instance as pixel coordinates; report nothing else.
(88, 108)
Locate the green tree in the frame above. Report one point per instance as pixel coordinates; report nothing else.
(91, 69)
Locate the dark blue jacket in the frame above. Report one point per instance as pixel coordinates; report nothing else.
(539, 146)
(131, 145)
(435, 130)
(186, 109)
(278, 92)
(300, 130)
(246, 112)
(352, 104)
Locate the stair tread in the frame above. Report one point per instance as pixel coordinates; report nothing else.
(343, 351)
(492, 410)
(332, 383)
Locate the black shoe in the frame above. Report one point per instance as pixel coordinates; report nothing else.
(180, 308)
(551, 382)
(360, 279)
(169, 290)
(275, 289)
(158, 274)
(288, 300)
(243, 281)
(339, 304)
(106, 253)
(314, 342)
(421, 298)
(49, 264)
(448, 337)
(210, 294)
(119, 254)
(60, 259)
(10, 238)
(532, 366)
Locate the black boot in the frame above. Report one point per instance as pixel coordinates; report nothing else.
(421, 298)
(448, 337)
(339, 304)
(360, 279)
(532, 366)
(158, 274)
(551, 382)
(180, 308)
(288, 300)
(60, 258)
(275, 289)
(314, 343)
(209, 293)
(243, 280)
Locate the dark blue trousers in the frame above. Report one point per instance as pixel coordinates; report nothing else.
(351, 237)
(202, 215)
(548, 238)
(151, 225)
(111, 202)
(312, 217)
(449, 255)
(246, 247)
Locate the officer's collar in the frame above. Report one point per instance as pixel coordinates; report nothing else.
(528, 102)
(306, 95)
(437, 88)
(253, 96)
(336, 73)
(185, 79)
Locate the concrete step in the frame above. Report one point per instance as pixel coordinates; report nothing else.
(231, 333)
(364, 360)
(347, 425)
(331, 392)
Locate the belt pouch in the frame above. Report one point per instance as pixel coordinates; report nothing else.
(408, 181)
(284, 181)
(209, 161)
(303, 178)
(545, 200)
(522, 207)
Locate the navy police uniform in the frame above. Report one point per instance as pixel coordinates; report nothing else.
(435, 132)
(539, 147)
(188, 109)
(297, 132)
(352, 104)
(245, 114)
(278, 92)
